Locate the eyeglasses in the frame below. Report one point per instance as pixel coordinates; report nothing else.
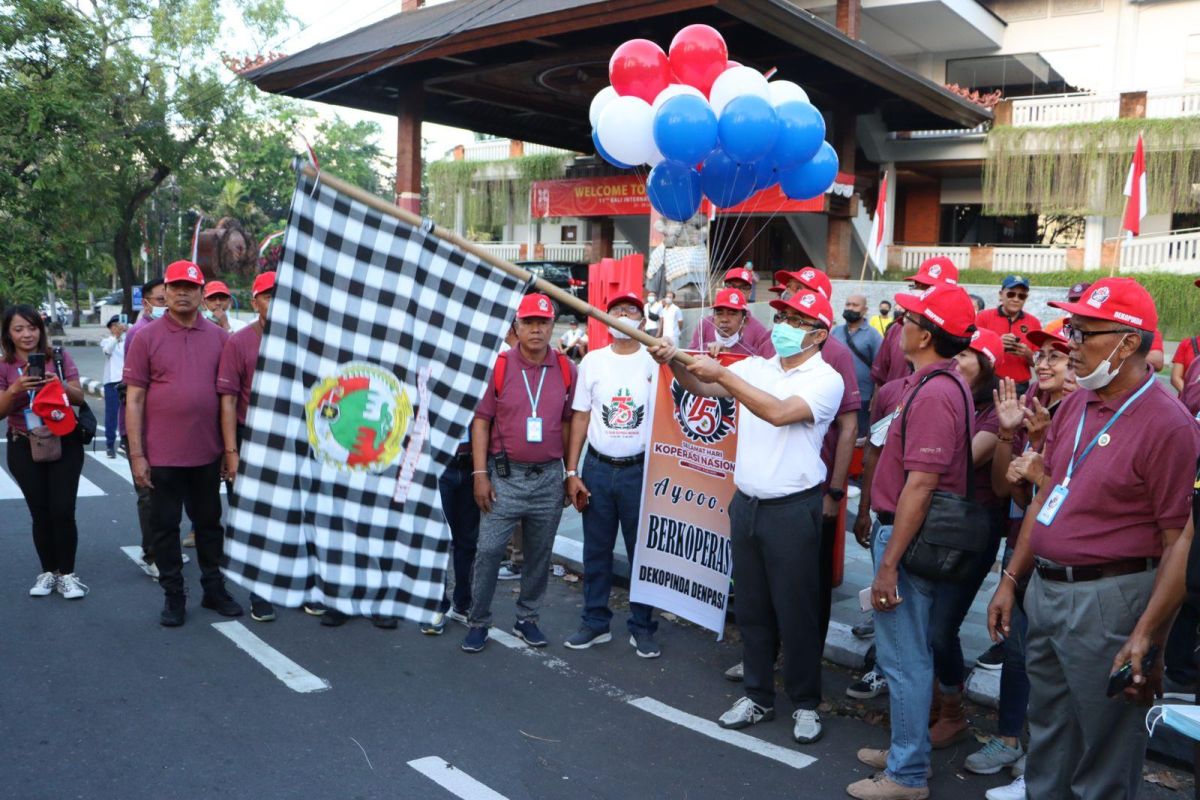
(1015, 295)
(629, 312)
(799, 322)
(1053, 358)
(1076, 336)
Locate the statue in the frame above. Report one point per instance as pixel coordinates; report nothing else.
(679, 263)
(226, 250)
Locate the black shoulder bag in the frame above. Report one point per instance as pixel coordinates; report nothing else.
(85, 420)
(956, 528)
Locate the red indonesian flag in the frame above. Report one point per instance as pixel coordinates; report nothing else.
(875, 248)
(1135, 190)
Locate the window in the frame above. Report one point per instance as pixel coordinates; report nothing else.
(1016, 75)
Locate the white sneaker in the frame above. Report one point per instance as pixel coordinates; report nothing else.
(508, 572)
(71, 587)
(44, 585)
(745, 712)
(1014, 791)
(807, 727)
(456, 615)
(736, 673)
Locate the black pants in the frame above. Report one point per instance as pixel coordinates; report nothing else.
(457, 488)
(50, 489)
(199, 488)
(829, 534)
(778, 594)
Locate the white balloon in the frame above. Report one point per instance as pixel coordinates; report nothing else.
(675, 90)
(734, 83)
(626, 130)
(785, 92)
(656, 157)
(599, 102)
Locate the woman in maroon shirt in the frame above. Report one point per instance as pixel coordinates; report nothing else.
(49, 487)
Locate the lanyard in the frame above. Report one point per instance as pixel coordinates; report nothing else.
(534, 399)
(1076, 462)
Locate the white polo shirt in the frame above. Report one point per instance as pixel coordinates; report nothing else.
(777, 461)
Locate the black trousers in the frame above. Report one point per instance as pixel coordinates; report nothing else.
(829, 534)
(779, 594)
(50, 489)
(198, 487)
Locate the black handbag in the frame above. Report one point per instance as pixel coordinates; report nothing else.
(85, 418)
(956, 528)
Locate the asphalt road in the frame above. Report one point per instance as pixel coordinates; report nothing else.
(99, 701)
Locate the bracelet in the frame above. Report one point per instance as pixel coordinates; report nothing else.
(1011, 577)
(480, 472)
(231, 452)
(1007, 440)
(137, 455)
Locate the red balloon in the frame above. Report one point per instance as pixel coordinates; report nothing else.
(730, 64)
(698, 56)
(639, 68)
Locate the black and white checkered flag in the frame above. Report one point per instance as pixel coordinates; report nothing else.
(380, 341)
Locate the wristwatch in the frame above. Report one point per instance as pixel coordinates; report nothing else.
(572, 473)
(835, 493)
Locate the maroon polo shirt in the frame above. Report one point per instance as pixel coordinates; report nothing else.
(511, 409)
(890, 363)
(1125, 494)
(838, 356)
(755, 339)
(177, 367)
(1010, 365)
(11, 373)
(986, 421)
(887, 397)
(1191, 387)
(236, 371)
(938, 425)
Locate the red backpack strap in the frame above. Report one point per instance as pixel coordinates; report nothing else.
(564, 364)
(498, 372)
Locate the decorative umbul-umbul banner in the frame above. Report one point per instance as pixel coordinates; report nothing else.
(683, 559)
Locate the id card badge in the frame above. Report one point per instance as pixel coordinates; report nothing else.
(32, 420)
(533, 430)
(1058, 496)
(879, 430)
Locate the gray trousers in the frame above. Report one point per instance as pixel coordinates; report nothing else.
(1081, 743)
(533, 495)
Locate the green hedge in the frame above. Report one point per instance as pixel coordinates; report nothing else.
(1176, 296)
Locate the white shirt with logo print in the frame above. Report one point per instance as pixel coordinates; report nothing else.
(616, 390)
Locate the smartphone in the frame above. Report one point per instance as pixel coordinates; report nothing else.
(864, 599)
(1122, 679)
(37, 365)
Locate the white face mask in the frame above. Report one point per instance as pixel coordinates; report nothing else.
(730, 340)
(1102, 375)
(619, 334)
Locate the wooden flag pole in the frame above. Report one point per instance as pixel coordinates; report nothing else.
(525, 276)
(862, 273)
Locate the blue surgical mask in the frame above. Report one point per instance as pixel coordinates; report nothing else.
(1183, 718)
(789, 341)
(158, 311)
(208, 315)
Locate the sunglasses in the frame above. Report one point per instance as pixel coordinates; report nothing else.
(1014, 295)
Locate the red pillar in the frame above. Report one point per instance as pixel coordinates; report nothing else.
(849, 17)
(840, 231)
(408, 148)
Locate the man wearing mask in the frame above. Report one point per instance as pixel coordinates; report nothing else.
(863, 342)
(1114, 487)
(787, 403)
(883, 320)
(610, 408)
(217, 300)
(732, 329)
(1014, 326)
(113, 347)
(672, 318)
(653, 313)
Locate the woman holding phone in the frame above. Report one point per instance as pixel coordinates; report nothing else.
(49, 487)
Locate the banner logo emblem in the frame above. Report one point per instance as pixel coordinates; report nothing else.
(707, 420)
(357, 417)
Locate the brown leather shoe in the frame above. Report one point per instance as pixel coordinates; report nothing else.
(952, 725)
(877, 759)
(881, 787)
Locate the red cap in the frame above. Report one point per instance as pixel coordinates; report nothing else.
(777, 289)
(988, 342)
(811, 304)
(627, 297)
(732, 299)
(52, 405)
(740, 274)
(933, 271)
(216, 287)
(946, 305)
(810, 278)
(183, 271)
(264, 282)
(1039, 338)
(535, 306)
(1120, 300)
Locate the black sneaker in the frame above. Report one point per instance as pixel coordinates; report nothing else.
(222, 603)
(261, 610)
(992, 659)
(527, 631)
(111, 452)
(332, 618)
(314, 609)
(387, 623)
(174, 611)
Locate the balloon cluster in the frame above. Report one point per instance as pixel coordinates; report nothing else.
(707, 126)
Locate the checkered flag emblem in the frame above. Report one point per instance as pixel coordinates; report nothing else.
(380, 341)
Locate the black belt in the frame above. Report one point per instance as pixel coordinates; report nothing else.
(886, 517)
(803, 494)
(460, 459)
(629, 461)
(1094, 572)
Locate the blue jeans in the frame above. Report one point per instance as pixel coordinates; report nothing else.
(1014, 683)
(616, 500)
(904, 653)
(462, 515)
(112, 407)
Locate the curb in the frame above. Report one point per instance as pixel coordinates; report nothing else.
(92, 387)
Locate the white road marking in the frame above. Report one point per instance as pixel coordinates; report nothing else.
(135, 555)
(454, 780)
(118, 465)
(9, 490)
(704, 727)
(292, 674)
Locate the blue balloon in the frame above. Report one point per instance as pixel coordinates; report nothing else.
(600, 151)
(801, 132)
(748, 128)
(766, 174)
(812, 178)
(674, 190)
(685, 129)
(724, 181)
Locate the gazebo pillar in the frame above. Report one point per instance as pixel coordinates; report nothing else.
(408, 148)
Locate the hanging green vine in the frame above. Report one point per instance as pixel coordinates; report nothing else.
(1081, 168)
(494, 192)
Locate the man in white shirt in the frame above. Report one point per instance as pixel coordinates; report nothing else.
(113, 346)
(786, 405)
(672, 318)
(610, 405)
(653, 313)
(573, 342)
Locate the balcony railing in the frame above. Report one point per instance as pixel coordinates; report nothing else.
(1033, 258)
(501, 149)
(1061, 109)
(1172, 104)
(578, 251)
(911, 256)
(1177, 252)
